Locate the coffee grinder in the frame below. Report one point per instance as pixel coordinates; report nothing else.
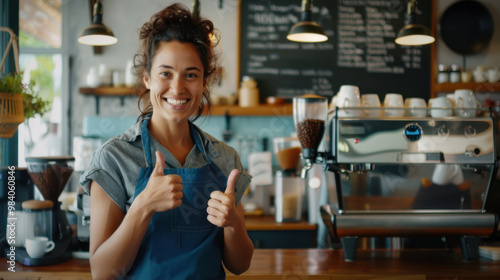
(309, 115)
(50, 175)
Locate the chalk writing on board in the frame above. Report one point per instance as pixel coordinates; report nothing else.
(360, 49)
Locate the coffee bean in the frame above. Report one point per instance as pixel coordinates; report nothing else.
(52, 180)
(310, 133)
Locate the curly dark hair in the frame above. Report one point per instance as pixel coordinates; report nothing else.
(176, 22)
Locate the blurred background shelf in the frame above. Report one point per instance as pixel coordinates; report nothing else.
(261, 110)
(109, 91)
(476, 87)
(219, 110)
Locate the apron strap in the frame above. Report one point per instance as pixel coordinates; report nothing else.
(145, 139)
(147, 147)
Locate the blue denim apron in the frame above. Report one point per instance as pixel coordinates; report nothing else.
(181, 243)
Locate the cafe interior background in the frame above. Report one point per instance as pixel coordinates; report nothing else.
(82, 118)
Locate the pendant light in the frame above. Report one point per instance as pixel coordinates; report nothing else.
(414, 34)
(97, 34)
(307, 31)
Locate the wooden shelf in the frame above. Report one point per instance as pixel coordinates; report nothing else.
(109, 91)
(99, 92)
(233, 110)
(476, 87)
(261, 110)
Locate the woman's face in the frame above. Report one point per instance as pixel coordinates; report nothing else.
(176, 81)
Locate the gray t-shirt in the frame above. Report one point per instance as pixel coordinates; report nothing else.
(115, 166)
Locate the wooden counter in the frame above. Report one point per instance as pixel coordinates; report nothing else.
(268, 264)
(266, 233)
(269, 223)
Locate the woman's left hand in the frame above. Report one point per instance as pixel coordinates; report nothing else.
(221, 206)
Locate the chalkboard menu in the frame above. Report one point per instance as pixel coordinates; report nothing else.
(360, 49)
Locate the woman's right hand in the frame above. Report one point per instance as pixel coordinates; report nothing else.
(163, 192)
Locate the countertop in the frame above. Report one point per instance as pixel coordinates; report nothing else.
(315, 264)
(269, 223)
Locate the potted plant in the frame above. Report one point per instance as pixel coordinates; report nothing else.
(18, 101)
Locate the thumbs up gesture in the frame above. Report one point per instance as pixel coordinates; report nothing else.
(221, 206)
(163, 192)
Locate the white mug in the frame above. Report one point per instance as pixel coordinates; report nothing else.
(394, 100)
(92, 78)
(39, 245)
(451, 98)
(464, 98)
(441, 107)
(447, 173)
(416, 107)
(466, 77)
(479, 74)
(492, 75)
(348, 96)
(373, 101)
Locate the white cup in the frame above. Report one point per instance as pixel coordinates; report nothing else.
(117, 78)
(129, 78)
(451, 98)
(39, 245)
(372, 101)
(492, 75)
(333, 103)
(417, 107)
(394, 100)
(447, 173)
(466, 77)
(441, 107)
(104, 75)
(464, 98)
(348, 96)
(92, 78)
(479, 75)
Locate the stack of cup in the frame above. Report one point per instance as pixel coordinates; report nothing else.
(348, 96)
(440, 107)
(395, 102)
(371, 102)
(416, 107)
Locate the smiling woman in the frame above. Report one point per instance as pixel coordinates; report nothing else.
(171, 192)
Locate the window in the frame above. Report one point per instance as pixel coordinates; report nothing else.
(41, 60)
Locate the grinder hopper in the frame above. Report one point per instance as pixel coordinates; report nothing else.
(309, 116)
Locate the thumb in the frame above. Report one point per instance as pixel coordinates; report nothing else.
(231, 182)
(160, 165)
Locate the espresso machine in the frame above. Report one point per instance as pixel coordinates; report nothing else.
(403, 176)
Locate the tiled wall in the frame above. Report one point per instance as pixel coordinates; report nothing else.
(246, 132)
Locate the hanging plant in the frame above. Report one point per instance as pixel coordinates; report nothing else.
(18, 101)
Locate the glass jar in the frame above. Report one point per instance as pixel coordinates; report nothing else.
(37, 216)
(455, 74)
(443, 74)
(248, 93)
(288, 197)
